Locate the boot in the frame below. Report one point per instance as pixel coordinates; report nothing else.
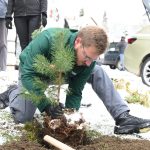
(4, 97)
(128, 124)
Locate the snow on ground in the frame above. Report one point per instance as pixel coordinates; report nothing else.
(96, 114)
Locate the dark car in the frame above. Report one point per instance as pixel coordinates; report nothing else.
(111, 56)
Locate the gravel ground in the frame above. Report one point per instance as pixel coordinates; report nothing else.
(96, 115)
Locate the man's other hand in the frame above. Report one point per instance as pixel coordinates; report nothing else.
(55, 111)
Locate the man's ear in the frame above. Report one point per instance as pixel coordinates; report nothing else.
(77, 42)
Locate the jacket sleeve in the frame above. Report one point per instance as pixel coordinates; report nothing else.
(40, 45)
(44, 6)
(76, 85)
(10, 8)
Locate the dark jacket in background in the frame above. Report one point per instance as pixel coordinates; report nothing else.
(26, 7)
(121, 46)
(28, 16)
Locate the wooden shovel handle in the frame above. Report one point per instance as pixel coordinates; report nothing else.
(57, 143)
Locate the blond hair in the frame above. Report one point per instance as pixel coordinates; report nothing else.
(94, 36)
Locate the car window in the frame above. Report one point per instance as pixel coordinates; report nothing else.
(113, 46)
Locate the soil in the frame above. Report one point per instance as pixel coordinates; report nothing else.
(73, 137)
(102, 143)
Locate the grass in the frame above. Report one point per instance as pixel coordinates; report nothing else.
(8, 131)
(8, 137)
(134, 96)
(6, 116)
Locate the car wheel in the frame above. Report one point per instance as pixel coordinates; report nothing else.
(112, 66)
(145, 72)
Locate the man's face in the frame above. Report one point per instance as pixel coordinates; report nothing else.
(84, 55)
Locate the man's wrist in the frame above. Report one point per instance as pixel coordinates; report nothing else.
(8, 18)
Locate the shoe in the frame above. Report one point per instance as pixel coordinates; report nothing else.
(128, 124)
(4, 97)
(122, 69)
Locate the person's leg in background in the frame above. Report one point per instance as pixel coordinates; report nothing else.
(3, 45)
(33, 24)
(21, 24)
(122, 62)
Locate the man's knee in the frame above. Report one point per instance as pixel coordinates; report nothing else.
(20, 117)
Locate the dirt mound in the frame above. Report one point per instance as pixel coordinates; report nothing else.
(102, 143)
(73, 136)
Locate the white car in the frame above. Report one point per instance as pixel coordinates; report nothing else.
(137, 53)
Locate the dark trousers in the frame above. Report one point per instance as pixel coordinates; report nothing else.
(25, 27)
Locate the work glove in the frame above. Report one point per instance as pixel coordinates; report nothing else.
(44, 19)
(55, 112)
(8, 22)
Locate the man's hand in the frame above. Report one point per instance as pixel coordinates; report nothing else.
(44, 19)
(8, 22)
(55, 111)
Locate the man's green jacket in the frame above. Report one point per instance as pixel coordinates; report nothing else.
(42, 44)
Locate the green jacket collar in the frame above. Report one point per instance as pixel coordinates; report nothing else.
(72, 38)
